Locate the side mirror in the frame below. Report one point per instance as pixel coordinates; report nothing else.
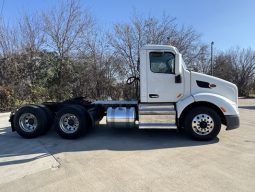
(178, 64)
(178, 79)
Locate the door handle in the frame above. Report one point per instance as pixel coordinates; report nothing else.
(153, 95)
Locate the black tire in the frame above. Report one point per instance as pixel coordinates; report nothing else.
(79, 114)
(40, 116)
(207, 129)
(50, 117)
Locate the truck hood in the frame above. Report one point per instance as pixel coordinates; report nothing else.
(201, 83)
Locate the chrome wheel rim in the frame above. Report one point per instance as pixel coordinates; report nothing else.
(202, 124)
(69, 123)
(28, 122)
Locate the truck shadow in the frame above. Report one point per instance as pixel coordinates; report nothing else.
(101, 138)
(129, 139)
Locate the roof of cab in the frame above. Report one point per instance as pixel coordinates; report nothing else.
(160, 47)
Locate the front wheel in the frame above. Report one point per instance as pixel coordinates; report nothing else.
(202, 123)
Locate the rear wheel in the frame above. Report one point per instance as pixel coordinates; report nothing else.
(49, 115)
(30, 121)
(71, 122)
(202, 123)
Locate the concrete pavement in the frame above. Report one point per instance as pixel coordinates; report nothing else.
(130, 160)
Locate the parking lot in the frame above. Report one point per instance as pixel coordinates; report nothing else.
(130, 160)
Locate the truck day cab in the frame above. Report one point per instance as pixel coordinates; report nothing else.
(170, 97)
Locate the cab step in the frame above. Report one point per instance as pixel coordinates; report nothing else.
(157, 116)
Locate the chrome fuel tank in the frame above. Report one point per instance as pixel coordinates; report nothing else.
(120, 117)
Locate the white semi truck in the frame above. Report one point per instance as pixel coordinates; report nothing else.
(171, 97)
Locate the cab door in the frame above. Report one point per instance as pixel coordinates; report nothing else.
(163, 84)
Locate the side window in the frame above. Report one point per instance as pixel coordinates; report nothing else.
(162, 62)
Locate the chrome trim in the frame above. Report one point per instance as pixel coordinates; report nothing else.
(157, 126)
(202, 124)
(157, 109)
(159, 116)
(120, 117)
(114, 102)
(156, 105)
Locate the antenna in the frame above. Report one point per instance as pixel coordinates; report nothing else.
(168, 40)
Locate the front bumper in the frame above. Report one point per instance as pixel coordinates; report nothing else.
(232, 121)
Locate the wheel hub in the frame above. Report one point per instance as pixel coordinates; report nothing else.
(31, 121)
(202, 124)
(28, 122)
(69, 123)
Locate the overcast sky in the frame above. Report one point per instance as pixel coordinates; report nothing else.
(228, 23)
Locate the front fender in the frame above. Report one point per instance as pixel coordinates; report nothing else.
(227, 107)
(182, 104)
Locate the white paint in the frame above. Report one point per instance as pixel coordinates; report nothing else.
(224, 88)
(161, 84)
(225, 94)
(218, 100)
(182, 104)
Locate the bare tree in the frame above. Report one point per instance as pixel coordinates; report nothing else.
(66, 27)
(99, 67)
(201, 61)
(59, 53)
(238, 66)
(32, 35)
(9, 42)
(223, 67)
(244, 65)
(128, 38)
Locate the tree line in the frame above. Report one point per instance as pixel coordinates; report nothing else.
(61, 53)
